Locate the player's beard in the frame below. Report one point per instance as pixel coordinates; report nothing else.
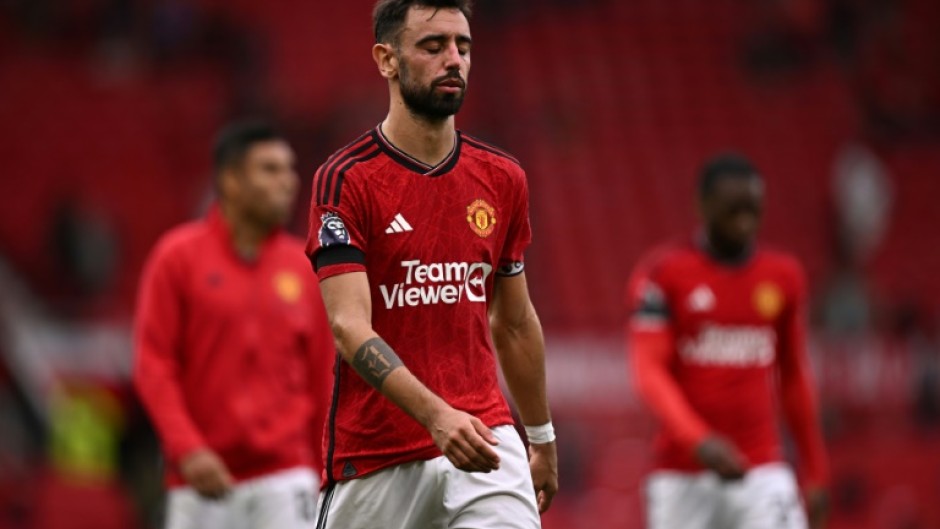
(267, 213)
(426, 102)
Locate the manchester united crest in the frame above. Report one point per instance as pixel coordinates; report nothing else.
(288, 286)
(482, 218)
(768, 300)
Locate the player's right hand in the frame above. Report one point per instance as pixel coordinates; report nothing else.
(720, 455)
(543, 463)
(465, 441)
(817, 507)
(206, 473)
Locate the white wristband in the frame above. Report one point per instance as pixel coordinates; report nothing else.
(540, 435)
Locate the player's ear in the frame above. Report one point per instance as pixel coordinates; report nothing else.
(227, 183)
(386, 59)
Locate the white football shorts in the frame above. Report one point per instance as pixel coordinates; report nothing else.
(434, 494)
(766, 498)
(281, 500)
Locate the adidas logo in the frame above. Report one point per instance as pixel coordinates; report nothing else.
(399, 225)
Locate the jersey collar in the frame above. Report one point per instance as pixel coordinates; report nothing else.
(701, 242)
(410, 163)
(220, 227)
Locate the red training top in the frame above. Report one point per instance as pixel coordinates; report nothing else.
(431, 240)
(232, 355)
(709, 341)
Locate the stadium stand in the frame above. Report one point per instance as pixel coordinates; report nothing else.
(610, 105)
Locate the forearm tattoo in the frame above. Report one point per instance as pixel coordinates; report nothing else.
(374, 361)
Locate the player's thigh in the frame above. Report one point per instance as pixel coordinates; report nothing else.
(284, 500)
(678, 500)
(186, 509)
(769, 499)
(504, 498)
(406, 496)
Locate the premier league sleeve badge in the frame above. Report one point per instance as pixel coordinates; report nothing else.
(332, 230)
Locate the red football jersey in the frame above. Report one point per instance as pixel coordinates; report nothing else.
(725, 333)
(431, 240)
(232, 355)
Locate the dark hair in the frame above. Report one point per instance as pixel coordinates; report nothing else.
(234, 141)
(388, 16)
(724, 165)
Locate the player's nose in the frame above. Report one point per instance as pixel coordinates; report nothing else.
(288, 181)
(452, 56)
(745, 224)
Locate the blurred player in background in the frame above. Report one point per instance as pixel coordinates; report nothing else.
(417, 234)
(233, 349)
(716, 341)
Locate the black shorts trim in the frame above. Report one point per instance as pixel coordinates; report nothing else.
(325, 506)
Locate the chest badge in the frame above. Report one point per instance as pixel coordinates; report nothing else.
(702, 299)
(287, 286)
(768, 300)
(482, 218)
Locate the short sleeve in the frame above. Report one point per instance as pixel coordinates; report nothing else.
(337, 240)
(511, 260)
(646, 299)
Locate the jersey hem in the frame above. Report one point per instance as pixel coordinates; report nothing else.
(173, 479)
(377, 463)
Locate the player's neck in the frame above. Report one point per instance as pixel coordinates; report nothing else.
(427, 141)
(728, 254)
(246, 236)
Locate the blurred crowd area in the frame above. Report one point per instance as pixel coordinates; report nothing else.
(109, 108)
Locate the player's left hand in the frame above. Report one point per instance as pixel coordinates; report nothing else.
(543, 463)
(817, 507)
